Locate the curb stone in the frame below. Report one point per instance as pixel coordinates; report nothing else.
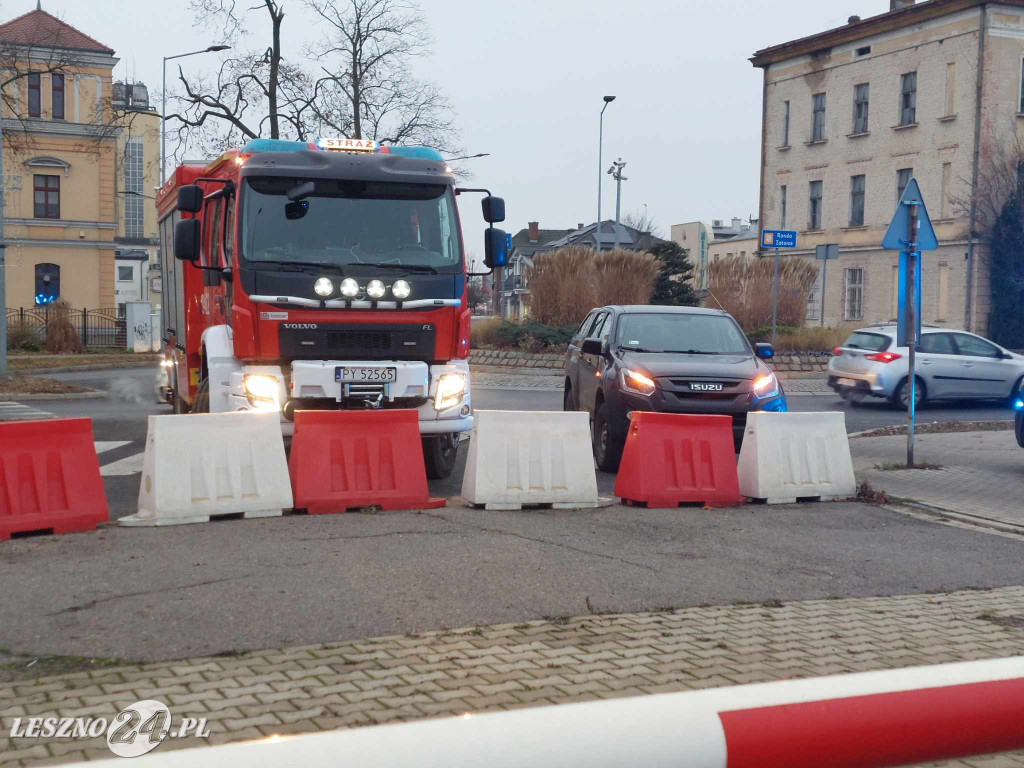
(92, 394)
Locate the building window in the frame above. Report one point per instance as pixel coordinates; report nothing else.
(814, 209)
(947, 190)
(785, 123)
(34, 95)
(782, 207)
(860, 108)
(903, 177)
(857, 201)
(47, 283)
(818, 118)
(864, 51)
(908, 99)
(853, 308)
(950, 89)
(125, 274)
(57, 96)
(133, 200)
(46, 190)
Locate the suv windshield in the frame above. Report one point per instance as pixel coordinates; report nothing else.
(678, 332)
(350, 223)
(874, 342)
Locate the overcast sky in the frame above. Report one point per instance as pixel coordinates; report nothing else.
(527, 79)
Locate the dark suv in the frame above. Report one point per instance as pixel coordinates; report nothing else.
(666, 359)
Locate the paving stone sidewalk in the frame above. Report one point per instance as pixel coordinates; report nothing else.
(981, 476)
(406, 677)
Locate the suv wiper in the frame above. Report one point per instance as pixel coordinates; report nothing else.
(638, 349)
(407, 267)
(693, 352)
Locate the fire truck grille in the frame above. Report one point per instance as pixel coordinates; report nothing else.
(336, 341)
(362, 341)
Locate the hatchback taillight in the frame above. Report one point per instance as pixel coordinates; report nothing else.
(837, 351)
(883, 357)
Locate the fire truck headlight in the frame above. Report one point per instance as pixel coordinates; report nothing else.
(450, 389)
(323, 286)
(262, 391)
(375, 289)
(349, 288)
(401, 289)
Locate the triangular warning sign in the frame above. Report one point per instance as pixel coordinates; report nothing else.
(896, 236)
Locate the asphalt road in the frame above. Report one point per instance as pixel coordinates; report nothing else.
(160, 593)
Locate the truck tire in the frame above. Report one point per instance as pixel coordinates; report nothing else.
(440, 454)
(201, 403)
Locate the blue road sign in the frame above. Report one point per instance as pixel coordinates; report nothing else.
(903, 334)
(508, 242)
(778, 238)
(896, 236)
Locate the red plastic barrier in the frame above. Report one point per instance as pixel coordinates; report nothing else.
(348, 459)
(673, 458)
(49, 477)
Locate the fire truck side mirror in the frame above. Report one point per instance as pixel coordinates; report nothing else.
(190, 198)
(494, 209)
(186, 240)
(495, 248)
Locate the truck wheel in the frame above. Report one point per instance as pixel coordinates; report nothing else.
(440, 454)
(607, 450)
(201, 403)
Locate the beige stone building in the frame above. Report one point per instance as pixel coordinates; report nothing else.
(59, 162)
(930, 90)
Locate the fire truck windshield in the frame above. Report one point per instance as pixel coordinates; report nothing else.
(350, 223)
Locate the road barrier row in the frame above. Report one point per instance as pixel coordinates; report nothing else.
(209, 465)
(859, 720)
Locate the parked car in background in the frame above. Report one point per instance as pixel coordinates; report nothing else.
(665, 359)
(950, 365)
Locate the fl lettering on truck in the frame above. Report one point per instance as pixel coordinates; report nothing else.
(322, 275)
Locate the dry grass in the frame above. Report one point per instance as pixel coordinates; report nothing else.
(567, 283)
(36, 385)
(482, 332)
(22, 338)
(743, 287)
(61, 336)
(27, 364)
(810, 339)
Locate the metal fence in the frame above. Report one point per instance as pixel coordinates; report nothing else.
(95, 327)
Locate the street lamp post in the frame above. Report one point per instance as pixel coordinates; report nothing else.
(600, 170)
(163, 106)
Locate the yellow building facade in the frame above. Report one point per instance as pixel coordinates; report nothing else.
(60, 147)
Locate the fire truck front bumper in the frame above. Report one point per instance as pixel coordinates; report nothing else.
(439, 393)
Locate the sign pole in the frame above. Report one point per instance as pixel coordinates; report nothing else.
(911, 329)
(775, 295)
(821, 303)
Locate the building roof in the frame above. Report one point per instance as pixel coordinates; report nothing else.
(873, 25)
(628, 237)
(43, 29)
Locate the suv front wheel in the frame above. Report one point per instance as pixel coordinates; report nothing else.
(607, 450)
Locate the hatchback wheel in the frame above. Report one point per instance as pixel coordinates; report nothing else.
(902, 394)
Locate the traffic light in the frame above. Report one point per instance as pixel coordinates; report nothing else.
(47, 284)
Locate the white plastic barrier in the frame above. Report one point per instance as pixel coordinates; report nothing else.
(862, 720)
(786, 456)
(519, 458)
(202, 465)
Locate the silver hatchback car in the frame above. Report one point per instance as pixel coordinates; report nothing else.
(951, 365)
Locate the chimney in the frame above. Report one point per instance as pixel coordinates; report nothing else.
(895, 5)
(853, 19)
(736, 222)
(580, 225)
(534, 231)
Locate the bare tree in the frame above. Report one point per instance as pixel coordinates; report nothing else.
(1000, 178)
(372, 92)
(644, 224)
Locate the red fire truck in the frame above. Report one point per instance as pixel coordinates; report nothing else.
(321, 275)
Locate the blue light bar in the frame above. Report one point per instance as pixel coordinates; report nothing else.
(274, 145)
(422, 153)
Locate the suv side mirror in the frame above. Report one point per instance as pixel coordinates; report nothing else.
(494, 209)
(186, 240)
(190, 198)
(495, 248)
(592, 347)
(764, 350)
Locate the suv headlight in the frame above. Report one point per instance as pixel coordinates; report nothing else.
(450, 388)
(262, 391)
(766, 386)
(637, 383)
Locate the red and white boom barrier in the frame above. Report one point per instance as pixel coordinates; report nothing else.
(868, 719)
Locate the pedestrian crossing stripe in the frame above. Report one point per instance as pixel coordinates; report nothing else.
(130, 465)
